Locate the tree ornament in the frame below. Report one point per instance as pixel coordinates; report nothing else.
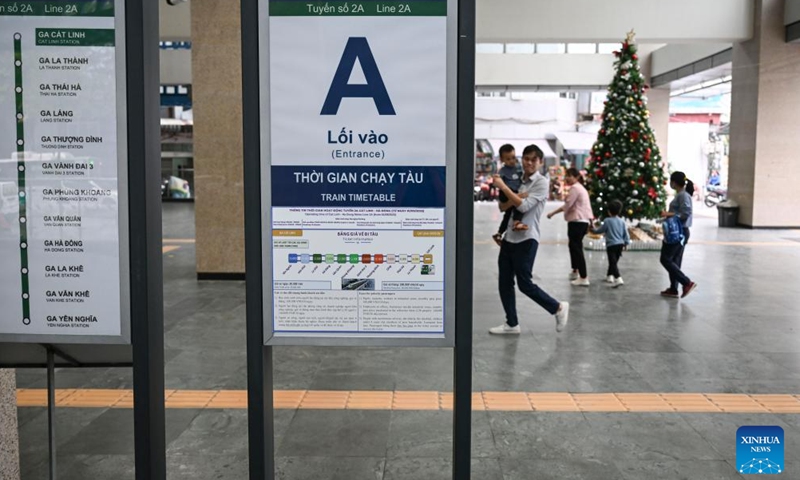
(630, 212)
(641, 164)
(635, 193)
(611, 188)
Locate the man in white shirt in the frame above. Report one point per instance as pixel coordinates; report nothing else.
(518, 251)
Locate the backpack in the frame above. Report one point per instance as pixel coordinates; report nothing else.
(673, 231)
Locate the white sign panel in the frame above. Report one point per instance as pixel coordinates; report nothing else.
(63, 220)
(357, 136)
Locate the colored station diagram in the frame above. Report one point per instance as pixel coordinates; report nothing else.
(354, 258)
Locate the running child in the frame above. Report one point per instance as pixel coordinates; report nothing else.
(617, 239)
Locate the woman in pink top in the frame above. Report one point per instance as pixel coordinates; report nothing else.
(578, 213)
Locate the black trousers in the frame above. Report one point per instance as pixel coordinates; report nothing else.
(516, 261)
(614, 253)
(575, 232)
(672, 261)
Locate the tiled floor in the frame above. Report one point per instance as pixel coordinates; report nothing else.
(738, 334)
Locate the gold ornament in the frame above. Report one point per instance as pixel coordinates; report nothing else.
(630, 212)
(655, 179)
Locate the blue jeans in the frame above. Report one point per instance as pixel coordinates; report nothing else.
(516, 260)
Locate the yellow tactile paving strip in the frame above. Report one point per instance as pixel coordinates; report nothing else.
(386, 400)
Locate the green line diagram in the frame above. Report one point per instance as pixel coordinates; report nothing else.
(23, 200)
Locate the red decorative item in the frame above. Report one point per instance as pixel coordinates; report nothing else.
(599, 173)
(635, 136)
(652, 193)
(635, 57)
(641, 181)
(647, 154)
(608, 154)
(639, 102)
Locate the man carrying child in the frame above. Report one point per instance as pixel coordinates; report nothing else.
(519, 246)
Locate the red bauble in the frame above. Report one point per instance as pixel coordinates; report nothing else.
(652, 193)
(641, 181)
(635, 135)
(608, 154)
(635, 57)
(599, 173)
(639, 102)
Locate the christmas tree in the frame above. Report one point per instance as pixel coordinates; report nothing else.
(625, 163)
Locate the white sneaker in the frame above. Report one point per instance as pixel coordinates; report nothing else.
(610, 279)
(618, 282)
(562, 316)
(581, 282)
(573, 276)
(504, 329)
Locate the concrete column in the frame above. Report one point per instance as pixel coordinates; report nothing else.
(658, 105)
(217, 105)
(9, 434)
(764, 106)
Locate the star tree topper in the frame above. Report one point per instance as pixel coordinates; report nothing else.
(631, 37)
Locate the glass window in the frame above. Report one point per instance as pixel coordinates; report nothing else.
(581, 48)
(489, 48)
(551, 48)
(520, 48)
(608, 47)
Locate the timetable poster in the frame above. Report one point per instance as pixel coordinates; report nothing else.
(357, 124)
(59, 172)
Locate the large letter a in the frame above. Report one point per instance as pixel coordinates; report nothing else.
(357, 48)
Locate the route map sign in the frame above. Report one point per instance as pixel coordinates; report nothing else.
(63, 173)
(358, 164)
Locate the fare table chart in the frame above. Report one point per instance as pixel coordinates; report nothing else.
(62, 171)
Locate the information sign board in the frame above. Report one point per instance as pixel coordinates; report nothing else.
(63, 173)
(358, 105)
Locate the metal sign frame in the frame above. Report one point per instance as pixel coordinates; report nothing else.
(445, 338)
(124, 338)
(143, 341)
(259, 356)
